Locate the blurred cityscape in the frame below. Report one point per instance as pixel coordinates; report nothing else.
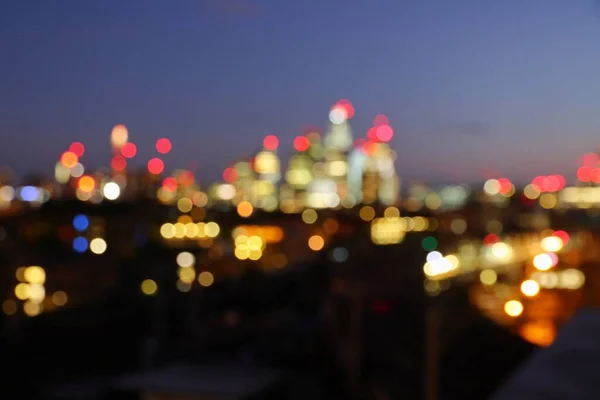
(328, 277)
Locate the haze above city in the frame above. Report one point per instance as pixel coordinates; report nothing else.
(470, 89)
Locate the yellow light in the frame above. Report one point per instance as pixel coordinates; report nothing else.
(32, 309)
(531, 191)
(98, 246)
(530, 288)
(242, 253)
(149, 287)
(22, 291)
(316, 242)
(513, 308)
(309, 216)
(167, 231)
(179, 228)
(206, 278)
(543, 262)
(184, 205)
(20, 274)
(36, 293)
(501, 250)
(391, 212)
(183, 286)
(59, 298)
(254, 243)
(552, 244)
(187, 274)
(212, 229)
(245, 209)
(35, 274)
(9, 307)
(367, 213)
(548, 200)
(191, 230)
(488, 277)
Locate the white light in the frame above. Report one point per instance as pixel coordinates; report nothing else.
(337, 115)
(434, 255)
(98, 246)
(77, 170)
(111, 191)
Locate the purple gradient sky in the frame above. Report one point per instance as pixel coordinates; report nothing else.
(469, 85)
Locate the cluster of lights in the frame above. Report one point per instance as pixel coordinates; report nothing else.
(390, 229)
(268, 234)
(249, 247)
(186, 272)
(97, 245)
(190, 230)
(28, 194)
(439, 266)
(502, 186)
(30, 289)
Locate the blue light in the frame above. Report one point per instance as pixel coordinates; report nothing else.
(30, 193)
(81, 222)
(80, 244)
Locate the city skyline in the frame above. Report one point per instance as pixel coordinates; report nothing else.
(192, 73)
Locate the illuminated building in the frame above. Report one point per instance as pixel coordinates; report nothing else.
(267, 167)
(298, 176)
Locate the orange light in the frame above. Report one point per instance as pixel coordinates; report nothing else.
(245, 209)
(86, 184)
(316, 242)
(69, 159)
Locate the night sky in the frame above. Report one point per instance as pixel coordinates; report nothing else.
(470, 86)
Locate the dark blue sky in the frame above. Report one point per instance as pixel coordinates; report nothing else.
(469, 85)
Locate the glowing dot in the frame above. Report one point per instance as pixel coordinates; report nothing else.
(212, 229)
(77, 148)
(184, 205)
(429, 243)
(81, 222)
(35, 274)
(530, 288)
(380, 120)
(98, 246)
(118, 163)
(69, 159)
(156, 166)
(80, 244)
(119, 136)
(206, 278)
(149, 287)
(552, 244)
(367, 213)
(391, 213)
(309, 216)
(513, 308)
(491, 187)
(185, 259)
(346, 106)
(501, 250)
(543, 262)
(384, 133)
(59, 298)
(129, 150)
(337, 115)
(488, 277)
(271, 142)
(339, 254)
(229, 175)
(301, 143)
(167, 231)
(170, 184)
(316, 242)
(163, 146)
(245, 209)
(86, 184)
(433, 256)
(111, 191)
(77, 170)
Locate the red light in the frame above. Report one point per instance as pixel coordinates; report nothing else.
(186, 178)
(381, 120)
(585, 173)
(359, 143)
(595, 175)
(380, 306)
(369, 148)
(301, 143)
(229, 175)
(118, 163)
(271, 142)
(561, 181)
(372, 134)
(527, 201)
(538, 182)
(590, 159)
(163, 146)
(491, 239)
(77, 148)
(129, 150)
(170, 184)
(156, 166)
(564, 236)
(347, 106)
(384, 133)
(505, 185)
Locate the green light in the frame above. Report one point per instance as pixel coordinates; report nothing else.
(429, 243)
